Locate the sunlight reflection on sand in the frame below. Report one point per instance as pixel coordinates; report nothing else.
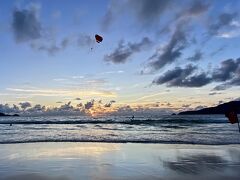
(102, 161)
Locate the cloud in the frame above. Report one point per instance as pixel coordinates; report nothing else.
(213, 93)
(148, 12)
(83, 109)
(70, 92)
(89, 104)
(5, 108)
(26, 25)
(227, 70)
(183, 77)
(221, 87)
(171, 52)
(196, 8)
(109, 104)
(59, 102)
(124, 51)
(228, 74)
(229, 34)
(53, 46)
(25, 105)
(66, 107)
(186, 105)
(110, 15)
(224, 20)
(196, 80)
(198, 55)
(80, 105)
(51, 49)
(127, 110)
(200, 107)
(38, 108)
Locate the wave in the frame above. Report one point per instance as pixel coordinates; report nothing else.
(132, 122)
(117, 141)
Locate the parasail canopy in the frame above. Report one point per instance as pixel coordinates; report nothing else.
(98, 38)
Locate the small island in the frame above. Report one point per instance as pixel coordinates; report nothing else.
(2, 114)
(220, 109)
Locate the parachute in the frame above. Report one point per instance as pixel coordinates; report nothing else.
(98, 38)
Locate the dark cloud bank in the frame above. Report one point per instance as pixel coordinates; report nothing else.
(27, 109)
(228, 73)
(124, 51)
(27, 28)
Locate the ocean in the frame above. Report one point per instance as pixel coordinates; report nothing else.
(178, 129)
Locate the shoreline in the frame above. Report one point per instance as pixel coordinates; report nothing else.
(119, 142)
(73, 161)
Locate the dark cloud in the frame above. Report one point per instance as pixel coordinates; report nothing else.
(80, 105)
(172, 51)
(196, 8)
(186, 105)
(66, 107)
(228, 74)
(89, 104)
(196, 81)
(25, 24)
(25, 105)
(50, 47)
(110, 15)
(81, 109)
(27, 28)
(223, 20)
(124, 51)
(148, 12)
(5, 108)
(227, 70)
(109, 104)
(107, 20)
(198, 55)
(183, 77)
(221, 87)
(213, 93)
(200, 107)
(175, 76)
(38, 108)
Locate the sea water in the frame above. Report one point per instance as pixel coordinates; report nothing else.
(182, 129)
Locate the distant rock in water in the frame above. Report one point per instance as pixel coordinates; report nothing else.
(220, 109)
(173, 114)
(2, 114)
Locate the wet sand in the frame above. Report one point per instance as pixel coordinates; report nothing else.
(102, 161)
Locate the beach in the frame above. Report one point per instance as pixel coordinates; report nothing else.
(79, 160)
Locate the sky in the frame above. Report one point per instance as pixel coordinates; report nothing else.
(156, 56)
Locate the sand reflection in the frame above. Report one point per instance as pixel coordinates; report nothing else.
(65, 150)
